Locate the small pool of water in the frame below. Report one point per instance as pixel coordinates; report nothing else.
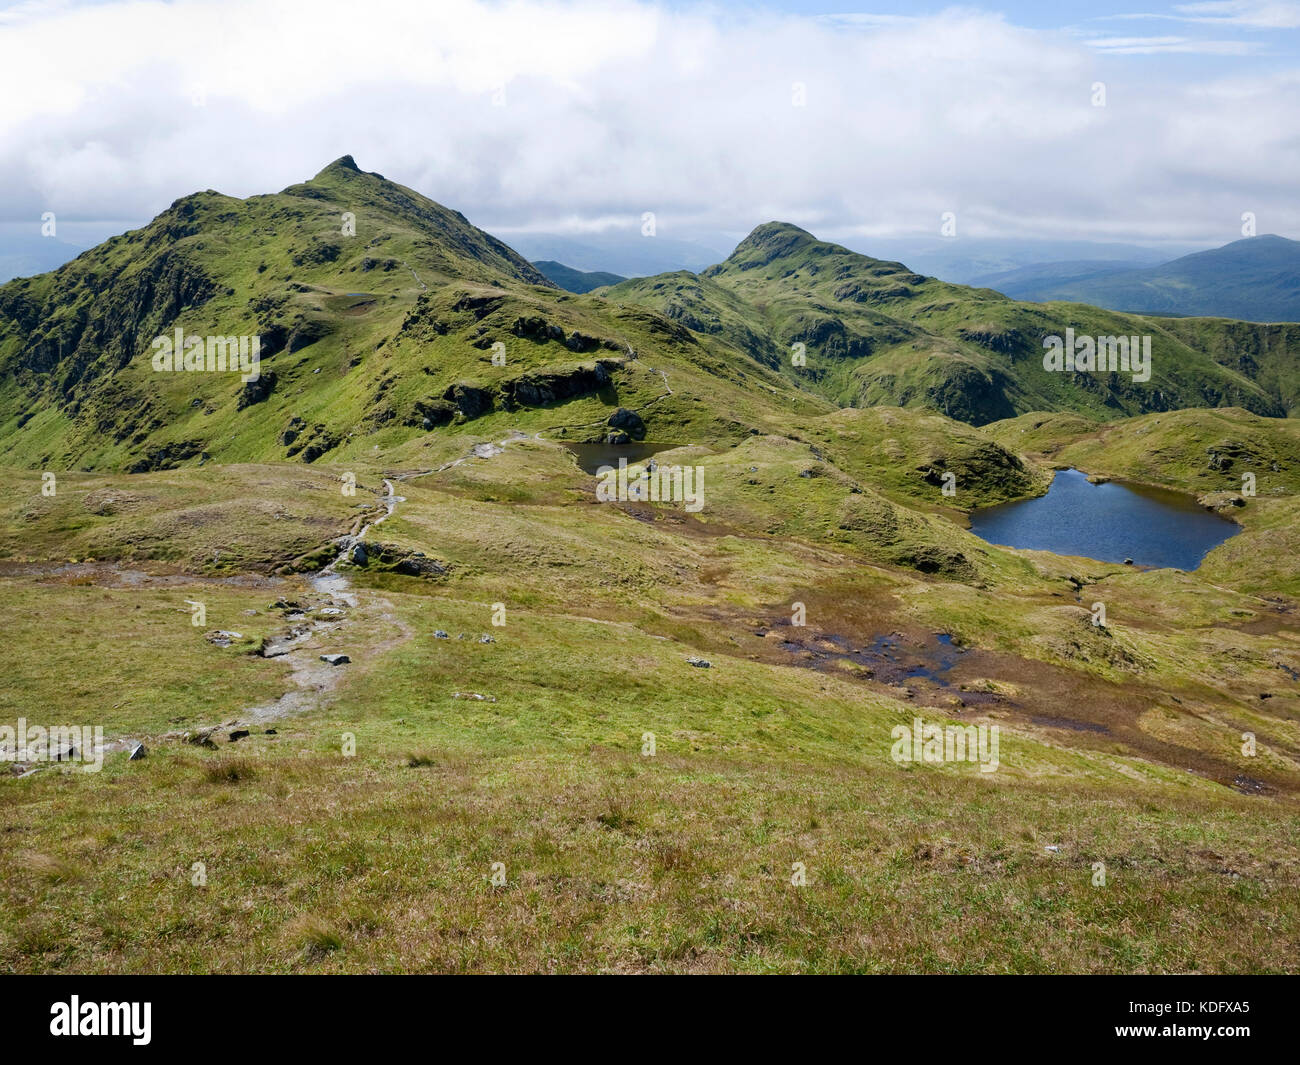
(1109, 522)
(591, 457)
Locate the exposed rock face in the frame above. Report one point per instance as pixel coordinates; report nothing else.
(336, 660)
(114, 318)
(629, 422)
(537, 329)
(471, 401)
(543, 388)
(970, 395)
(314, 443)
(432, 413)
(256, 391)
(167, 457)
(290, 434)
(1229, 453)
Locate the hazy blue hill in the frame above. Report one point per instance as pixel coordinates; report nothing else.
(1042, 281)
(627, 253)
(965, 260)
(26, 256)
(1256, 279)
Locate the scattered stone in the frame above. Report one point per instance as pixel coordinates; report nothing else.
(358, 555)
(202, 738)
(438, 634)
(221, 638)
(138, 752)
(474, 695)
(1052, 848)
(1128, 562)
(331, 611)
(238, 735)
(700, 663)
(485, 638)
(335, 660)
(271, 732)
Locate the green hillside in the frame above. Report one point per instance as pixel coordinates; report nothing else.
(877, 333)
(413, 320)
(572, 280)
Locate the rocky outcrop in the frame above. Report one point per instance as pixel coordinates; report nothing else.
(629, 422)
(431, 413)
(256, 391)
(470, 400)
(540, 389)
(167, 457)
(396, 559)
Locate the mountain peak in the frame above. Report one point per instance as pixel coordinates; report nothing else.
(776, 240)
(343, 166)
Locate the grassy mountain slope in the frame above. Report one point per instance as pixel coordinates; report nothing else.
(367, 341)
(419, 321)
(876, 333)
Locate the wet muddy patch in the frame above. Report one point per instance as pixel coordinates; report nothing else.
(1063, 706)
(894, 659)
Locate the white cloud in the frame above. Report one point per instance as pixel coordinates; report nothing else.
(615, 108)
(1170, 45)
(1255, 14)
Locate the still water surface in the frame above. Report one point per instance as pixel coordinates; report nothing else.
(1109, 522)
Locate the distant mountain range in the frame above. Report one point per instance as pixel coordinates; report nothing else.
(1256, 279)
(576, 280)
(620, 252)
(26, 256)
(965, 260)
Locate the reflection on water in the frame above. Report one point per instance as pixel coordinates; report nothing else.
(1109, 522)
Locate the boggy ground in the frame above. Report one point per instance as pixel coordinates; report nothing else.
(1124, 830)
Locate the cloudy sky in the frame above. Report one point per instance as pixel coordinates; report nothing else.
(575, 116)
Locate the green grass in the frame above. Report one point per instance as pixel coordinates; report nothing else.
(362, 830)
(317, 860)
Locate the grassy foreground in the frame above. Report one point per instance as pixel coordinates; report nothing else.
(646, 814)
